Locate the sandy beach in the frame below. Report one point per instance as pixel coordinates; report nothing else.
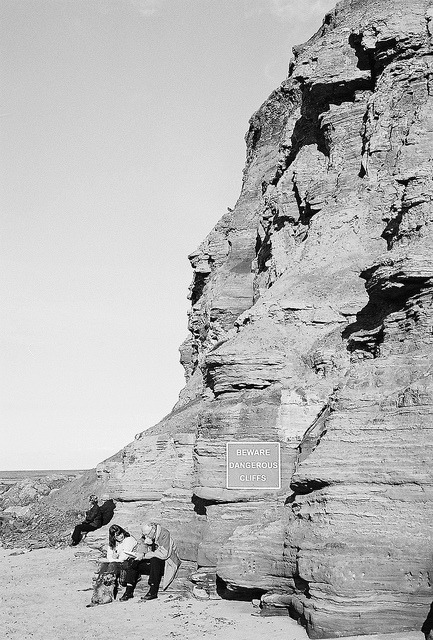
(45, 592)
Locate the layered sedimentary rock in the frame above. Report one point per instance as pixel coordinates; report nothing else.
(311, 324)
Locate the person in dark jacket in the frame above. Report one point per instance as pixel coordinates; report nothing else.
(92, 521)
(107, 509)
(427, 627)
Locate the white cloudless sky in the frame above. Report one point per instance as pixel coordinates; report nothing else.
(122, 126)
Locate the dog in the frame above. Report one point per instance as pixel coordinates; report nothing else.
(105, 584)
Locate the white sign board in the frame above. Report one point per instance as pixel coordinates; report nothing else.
(253, 465)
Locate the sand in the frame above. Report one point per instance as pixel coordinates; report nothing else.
(44, 593)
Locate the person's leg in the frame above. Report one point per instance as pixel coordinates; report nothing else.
(78, 531)
(76, 535)
(134, 570)
(156, 572)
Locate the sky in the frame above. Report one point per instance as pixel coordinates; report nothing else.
(122, 124)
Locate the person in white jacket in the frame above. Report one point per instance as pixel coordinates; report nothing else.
(120, 544)
(114, 567)
(120, 550)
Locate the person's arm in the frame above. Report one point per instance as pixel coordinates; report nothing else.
(162, 550)
(126, 548)
(112, 555)
(90, 514)
(140, 550)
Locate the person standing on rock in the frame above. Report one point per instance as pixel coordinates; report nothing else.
(157, 551)
(92, 521)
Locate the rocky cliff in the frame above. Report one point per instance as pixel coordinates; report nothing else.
(311, 324)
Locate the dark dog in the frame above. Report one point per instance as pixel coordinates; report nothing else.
(105, 584)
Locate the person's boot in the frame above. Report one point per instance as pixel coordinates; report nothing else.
(129, 593)
(152, 594)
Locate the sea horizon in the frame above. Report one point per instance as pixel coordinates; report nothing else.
(19, 474)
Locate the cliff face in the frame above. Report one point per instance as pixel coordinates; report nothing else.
(311, 323)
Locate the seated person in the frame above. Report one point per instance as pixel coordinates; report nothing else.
(156, 552)
(120, 544)
(92, 521)
(107, 509)
(119, 554)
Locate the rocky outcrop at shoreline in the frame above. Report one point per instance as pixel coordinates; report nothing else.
(39, 510)
(311, 324)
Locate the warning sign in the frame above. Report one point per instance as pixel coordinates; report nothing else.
(253, 465)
